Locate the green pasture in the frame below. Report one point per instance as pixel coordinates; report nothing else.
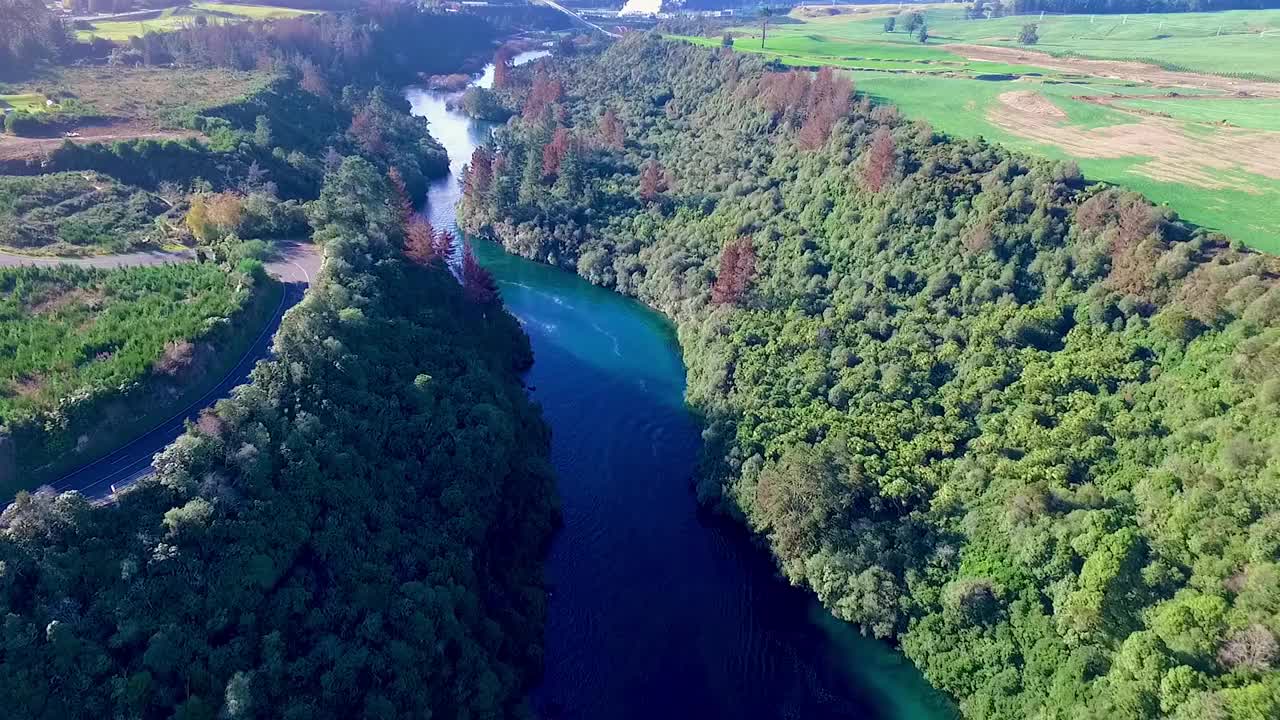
(26, 102)
(959, 107)
(253, 12)
(177, 18)
(955, 94)
(1239, 43)
(1254, 114)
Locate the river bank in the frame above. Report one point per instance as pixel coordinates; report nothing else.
(657, 609)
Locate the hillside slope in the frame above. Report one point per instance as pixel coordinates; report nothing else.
(1023, 425)
(356, 533)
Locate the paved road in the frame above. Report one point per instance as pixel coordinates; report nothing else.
(152, 257)
(576, 16)
(295, 264)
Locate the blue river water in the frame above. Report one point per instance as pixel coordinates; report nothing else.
(657, 610)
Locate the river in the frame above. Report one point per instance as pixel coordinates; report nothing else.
(657, 609)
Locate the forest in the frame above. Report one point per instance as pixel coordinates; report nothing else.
(33, 34)
(1020, 424)
(355, 533)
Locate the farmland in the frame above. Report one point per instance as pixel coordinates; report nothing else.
(1196, 127)
(110, 104)
(172, 19)
(90, 356)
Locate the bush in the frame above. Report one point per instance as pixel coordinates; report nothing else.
(24, 124)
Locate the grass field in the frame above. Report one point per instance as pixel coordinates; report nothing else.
(27, 102)
(152, 95)
(177, 18)
(1185, 139)
(1237, 43)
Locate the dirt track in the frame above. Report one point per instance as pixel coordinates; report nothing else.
(1115, 69)
(25, 148)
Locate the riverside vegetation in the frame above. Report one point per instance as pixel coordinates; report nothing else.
(358, 531)
(287, 100)
(291, 99)
(1023, 425)
(355, 533)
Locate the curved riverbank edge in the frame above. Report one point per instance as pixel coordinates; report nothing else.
(890, 682)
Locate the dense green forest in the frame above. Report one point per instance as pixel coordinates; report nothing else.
(1023, 425)
(356, 533)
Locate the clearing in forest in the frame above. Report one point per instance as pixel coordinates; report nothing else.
(1183, 107)
(171, 19)
(108, 104)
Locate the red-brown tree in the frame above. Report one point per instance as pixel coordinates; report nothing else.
(313, 79)
(653, 180)
(737, 270)
(400, 195)
(419, 241)
(479, 173)
(612, 134)
(477, 282)
(502, 64)
(828, 102)
(546, 92)
(367, 131)
(553, 154)
(882, 160)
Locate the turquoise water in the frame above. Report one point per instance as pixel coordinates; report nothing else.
(657, 610)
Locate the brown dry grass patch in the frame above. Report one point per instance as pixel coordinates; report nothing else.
(24, 148)
(149, 95)
(83, 297)
(1202, 160)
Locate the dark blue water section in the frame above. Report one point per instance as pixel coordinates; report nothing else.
(657, 610)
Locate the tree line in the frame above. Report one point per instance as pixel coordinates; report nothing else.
(1022, 424)
(355, 533)
(1115, 7)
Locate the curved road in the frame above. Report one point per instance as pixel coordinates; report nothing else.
(295, 265)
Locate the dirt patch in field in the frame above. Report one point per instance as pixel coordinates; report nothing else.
(90, 298)
(1115, 69)
(1202, 160)
(35, 149)
(26, 386)
(1030, 101)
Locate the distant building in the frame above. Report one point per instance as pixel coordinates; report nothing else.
(641, 7)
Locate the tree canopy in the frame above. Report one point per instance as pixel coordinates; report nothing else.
(1023, 424)
(355, 533)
